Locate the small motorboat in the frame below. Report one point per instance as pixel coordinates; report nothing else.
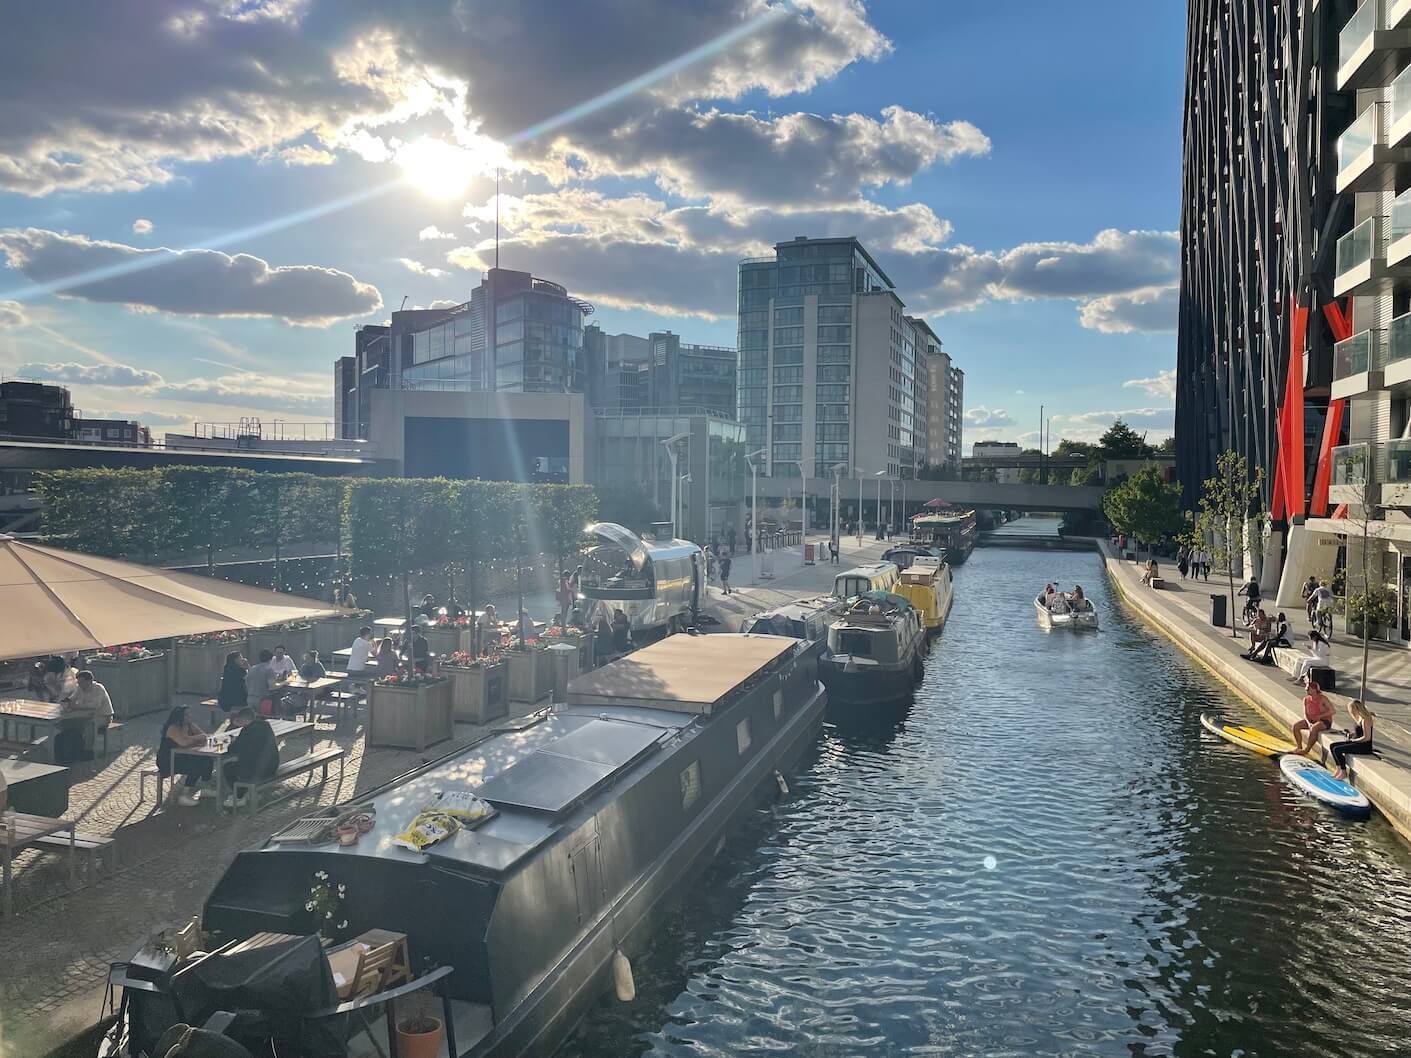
(1062, 612)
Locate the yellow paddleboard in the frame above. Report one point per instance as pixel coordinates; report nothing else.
(1250, 738)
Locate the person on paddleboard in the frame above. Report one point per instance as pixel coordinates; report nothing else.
(1317, 718)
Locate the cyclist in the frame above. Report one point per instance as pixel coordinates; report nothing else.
(1252, 601)
(1320, 607)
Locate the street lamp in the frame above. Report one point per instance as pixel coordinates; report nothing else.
(754, 509)
(892, 503)
(837, 469)
(680, 514)
(905, 523)
(670, 445)
(860, 472)
(879, 476)
(803, 502)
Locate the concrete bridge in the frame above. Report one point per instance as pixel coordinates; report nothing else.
(978, 494)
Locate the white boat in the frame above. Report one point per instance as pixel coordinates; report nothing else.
(1066, 616)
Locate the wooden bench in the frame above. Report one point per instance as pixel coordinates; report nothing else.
(92, 846)
(1287, 657)
(1157, 582)
(151, 772)
(319, 758)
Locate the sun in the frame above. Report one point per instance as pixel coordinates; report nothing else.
(437, 168)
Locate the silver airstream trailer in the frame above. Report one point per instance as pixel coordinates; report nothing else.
(658, 585)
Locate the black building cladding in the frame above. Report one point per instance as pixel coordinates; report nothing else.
(1259, 223)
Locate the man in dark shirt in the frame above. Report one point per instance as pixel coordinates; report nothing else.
(255, 751)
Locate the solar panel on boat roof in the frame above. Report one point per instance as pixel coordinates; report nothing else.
(545, 782)
(606, 742)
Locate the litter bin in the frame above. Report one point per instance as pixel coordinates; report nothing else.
(808, 554)
(1217, 610)
(565, 665)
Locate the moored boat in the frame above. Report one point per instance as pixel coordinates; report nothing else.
(598, 813)
(806, 619)
(874, 651)
(951, 528)
(927, 585)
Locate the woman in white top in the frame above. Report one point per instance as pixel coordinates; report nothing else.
(1315, 657)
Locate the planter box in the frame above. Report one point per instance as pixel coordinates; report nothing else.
(199, 665)
(480, 694)
(409, 717)
(296, 641)
(336, 633)
(585, 649)
(136, 687)
(446, 640)
(531, 675)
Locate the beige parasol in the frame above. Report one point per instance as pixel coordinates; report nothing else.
(54, 601)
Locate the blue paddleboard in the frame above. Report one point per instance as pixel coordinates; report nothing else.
(1318, 783)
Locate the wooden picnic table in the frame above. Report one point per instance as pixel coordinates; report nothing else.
(314, 689)
(18, 830)
(31, 714)
(217, 750)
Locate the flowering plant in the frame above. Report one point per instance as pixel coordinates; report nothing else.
(463, 659)
(288, 626)
(325, 905)
(445, 621)
(127, 652)
(408, 679)
(200, 638)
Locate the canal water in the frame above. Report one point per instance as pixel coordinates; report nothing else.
(1041, 855)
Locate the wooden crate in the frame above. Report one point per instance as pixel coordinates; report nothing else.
(136, 687)
(479, 694)
(409, 717)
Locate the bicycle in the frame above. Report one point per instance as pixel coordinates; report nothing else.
(1323, 623)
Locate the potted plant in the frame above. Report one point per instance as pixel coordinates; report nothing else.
(479, 686)
(531, 671)
(325, 906)
(1375, 608)
(419, 1030)
(137, 679)
(409, 710)
(448, 635)
(575, 636)
(201, 658)
(295, 636)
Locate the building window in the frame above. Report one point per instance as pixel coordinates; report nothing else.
(833, 334)
(691, 784)
(792, 354)
(788, 413)
(834, 314)
(834, 354)
(786, 375)
(788, 394)
(788, 335)
(832, 394)
(833, 372)
(787, 453)
(742, 735)
(788, 431)
(789, 317)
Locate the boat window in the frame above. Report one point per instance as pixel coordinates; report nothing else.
(742, 735)
(850, 586)
(691, 784)
(778, 703)
(859, 643)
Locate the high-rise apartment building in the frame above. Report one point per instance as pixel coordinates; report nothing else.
(829, 363)
(630, 373)
(944, 403)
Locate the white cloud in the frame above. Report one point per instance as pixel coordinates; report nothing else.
(985, 417)
(1155, 423)
(432, 232)
(1163, 385)
(142, 226)
(11, 314)
(190, 282)
(251, 389)
(307, 154)
(146, 418)
(92, 374)
(421, 269)
(1152, 309)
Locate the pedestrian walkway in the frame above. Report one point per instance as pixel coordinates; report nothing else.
(792, 579)
(1182, 611)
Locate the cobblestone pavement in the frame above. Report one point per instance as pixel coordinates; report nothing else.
(60, 941)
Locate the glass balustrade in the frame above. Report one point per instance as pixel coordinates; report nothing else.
(1355, 248)
(1399, 339)
(1398, 465)
(1401, 96)
(1353, 356)
(1359, 137)
(1399, 224)
(1359, 27)
(1350, 464)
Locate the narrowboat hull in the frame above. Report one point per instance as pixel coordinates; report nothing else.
(870, 683)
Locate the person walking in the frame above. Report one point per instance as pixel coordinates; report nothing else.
(725, 573)
(833, 551)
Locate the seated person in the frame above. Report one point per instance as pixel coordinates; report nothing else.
(621, 632)
(1315, 657)
(312, 668)
(281, 664)
(181, 732)
(260, 684)
(1152, 570)
(59, 678)
(253, 755)
(421, 651)
(387, 660)
(233, 693)
(1359, 739)
(36, 688)
(1317, 718)
(361, 652)
(1278, 637)
(602, 635)
(453, 609)
(1259, 629)
(487, 630)
(1078, 600)
(88, 701)
(427, 608)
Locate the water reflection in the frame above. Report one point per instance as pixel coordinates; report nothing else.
(1041, 855)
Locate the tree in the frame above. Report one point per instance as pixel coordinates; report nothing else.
(629, 504)
(1167, 447)
(562, 512)
(101, 512)
(204, 509)
(287, 509)
(1145, 506)
(1122, 442)
(1226, 509)
(389, 531)
(1372, 604)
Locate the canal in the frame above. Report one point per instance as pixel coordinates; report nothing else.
(1040, 855)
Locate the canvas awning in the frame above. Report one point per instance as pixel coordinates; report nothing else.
(54, 601)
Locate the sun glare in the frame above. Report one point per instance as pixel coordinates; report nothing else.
(437, 168)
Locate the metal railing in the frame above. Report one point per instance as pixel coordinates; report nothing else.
(1365, 462)
(1351, 464)
(1359, 245)
(1398, 339)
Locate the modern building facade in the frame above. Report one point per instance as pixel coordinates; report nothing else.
(944, 403)
(1262, 206)
(626, 372)
(829, 363)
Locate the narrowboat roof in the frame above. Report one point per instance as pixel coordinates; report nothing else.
(801, 609)
(869, 570)
(681, 673)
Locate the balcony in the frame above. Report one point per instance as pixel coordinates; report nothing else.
(1398, 14)
(1352, 479)
(1366, 160)
(1370, 47)
(1365, 264)
(1357, 364)
(1396, 371)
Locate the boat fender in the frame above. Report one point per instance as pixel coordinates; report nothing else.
(622, 982)
(783, 786)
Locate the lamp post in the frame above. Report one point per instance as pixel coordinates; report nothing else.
(837, 469)
(906, 524)
(879, 476)
(892, 503)
(803, 500)
(670, 445)
(754, 510)
(685, 480)
(860, 472)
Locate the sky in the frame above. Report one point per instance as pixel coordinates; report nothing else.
(201, 201)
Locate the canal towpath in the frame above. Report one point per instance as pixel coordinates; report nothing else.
(1181, 610)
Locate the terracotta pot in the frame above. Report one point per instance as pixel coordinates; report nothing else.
(420, 1044)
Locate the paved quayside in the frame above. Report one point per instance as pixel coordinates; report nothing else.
(1181, 610)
